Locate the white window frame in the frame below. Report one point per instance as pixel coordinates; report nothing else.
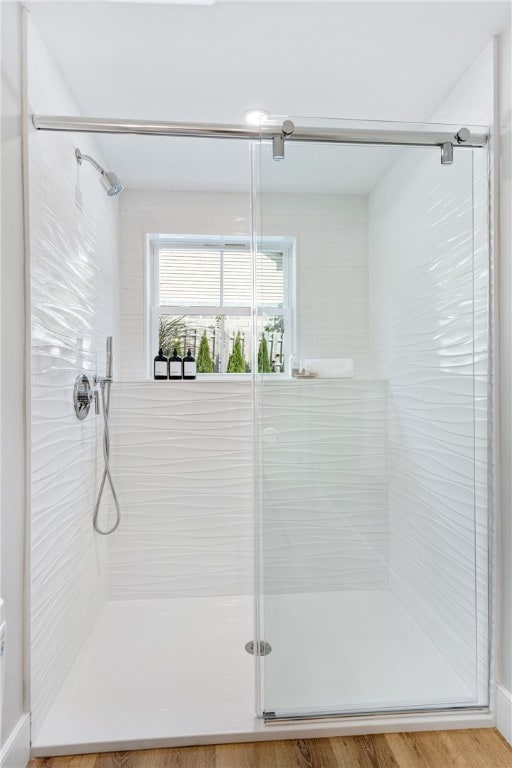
(284, 245)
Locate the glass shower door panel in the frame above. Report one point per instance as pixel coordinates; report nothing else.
(373, 459)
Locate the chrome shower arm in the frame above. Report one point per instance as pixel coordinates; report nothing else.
(79, 157)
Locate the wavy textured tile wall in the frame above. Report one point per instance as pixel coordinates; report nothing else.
(73, 298)
(171, 542)
(428, 320)
(324, 485)
(182, 464)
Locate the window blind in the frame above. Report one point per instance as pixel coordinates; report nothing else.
(196, 277)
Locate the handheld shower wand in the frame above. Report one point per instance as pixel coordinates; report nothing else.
(109, 358)
(103, 383)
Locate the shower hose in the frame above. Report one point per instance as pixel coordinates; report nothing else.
(105, 405)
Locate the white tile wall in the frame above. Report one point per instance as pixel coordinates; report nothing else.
(331, 232)
(169, 542)
(182, 463)
(73, 256)
(324, 485)
(429, 281)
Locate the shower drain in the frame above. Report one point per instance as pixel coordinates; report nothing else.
(261, 648)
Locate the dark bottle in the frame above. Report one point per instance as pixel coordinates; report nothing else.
(160, 366)
(175, 366)
(189, 366)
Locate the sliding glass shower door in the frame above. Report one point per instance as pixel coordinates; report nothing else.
(371, 402)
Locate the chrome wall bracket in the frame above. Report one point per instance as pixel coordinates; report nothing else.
(82, 396)
(462, 136)
(447, 153)
(278, 141)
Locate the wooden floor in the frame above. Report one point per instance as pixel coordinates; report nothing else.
(435, 749)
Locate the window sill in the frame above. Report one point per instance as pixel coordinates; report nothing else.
(209, 377)
(246, 378)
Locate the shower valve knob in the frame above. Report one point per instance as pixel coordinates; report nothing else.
(82, 396)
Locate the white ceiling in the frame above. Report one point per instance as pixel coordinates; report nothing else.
(210, 63)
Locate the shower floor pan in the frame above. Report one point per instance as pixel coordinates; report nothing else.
(175, 672)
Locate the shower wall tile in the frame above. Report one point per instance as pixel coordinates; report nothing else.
(182, 464)
(331, 234)
(187, 495)
(73, 271)
(324, 485)
(429, 277)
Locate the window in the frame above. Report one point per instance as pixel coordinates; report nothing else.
(201, 298)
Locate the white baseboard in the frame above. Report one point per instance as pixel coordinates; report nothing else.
(15, 752)
(504, 712)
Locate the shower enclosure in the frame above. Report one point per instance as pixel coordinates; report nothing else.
(367, 424)
(373, 460)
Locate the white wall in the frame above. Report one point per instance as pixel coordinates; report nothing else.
(429, 308)
(182, 464)
(12, 481)
(504, 675)
(324, 485)
(74, 283)
(332, 270)
(181, 454)
(198, 436)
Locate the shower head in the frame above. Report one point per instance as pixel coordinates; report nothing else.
(111, 183)
(108, 178)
